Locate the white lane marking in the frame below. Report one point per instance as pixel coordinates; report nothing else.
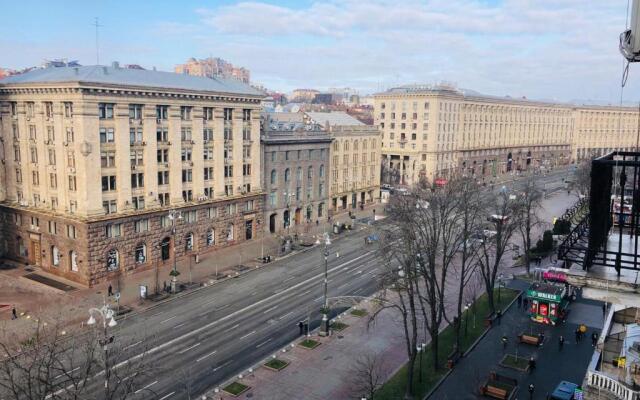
(329, 280)
(67, 373)
(268, 310)
(305, 292)
(132, 344)
(277, 291)
(207, 302)
(253, 293)
(288, 279)
(222, 307)
(247, 335)
(167, 396)
(181, 338)
(179, 325)
(286, 315)
(234, 327)
(263, 343)
(146, 387)
(317, 300)
(189, 348)
(168, 319)
(357, 291)
(208, 355)
(222, 366)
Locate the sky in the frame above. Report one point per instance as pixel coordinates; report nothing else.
(560, 50)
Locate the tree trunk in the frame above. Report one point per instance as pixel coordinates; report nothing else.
(434, 349)
(408, 394)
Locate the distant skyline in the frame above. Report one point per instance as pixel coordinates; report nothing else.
(543, 49)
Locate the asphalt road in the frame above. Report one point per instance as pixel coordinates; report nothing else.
(198, 341)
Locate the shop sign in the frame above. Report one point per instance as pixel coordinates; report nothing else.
(554, 276)
(544, 296)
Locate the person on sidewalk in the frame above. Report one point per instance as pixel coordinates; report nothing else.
(14, 313)
(505, 341)
(110, 291)
(560, 342)
(532, 364)
(594, 339)
(499, 316)
(531, 389)
(604, 309)
(519, 301)
(578, 335)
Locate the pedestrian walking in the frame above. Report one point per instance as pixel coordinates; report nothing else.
(532, 364)
(604, 309)
(301, 327)
(578, 335)
(505, 340)
(14, 313)
(110, 290)
(540, 339)
(594, 339)
(520, 301)
(499, 316)
(525, 303)
(560, 342)
(531, 389)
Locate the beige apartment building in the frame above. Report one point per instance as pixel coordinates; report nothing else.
(95, 158)
(435, 132)
(355, 160)
(213, 67)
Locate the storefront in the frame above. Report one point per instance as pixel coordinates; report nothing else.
(547, 302)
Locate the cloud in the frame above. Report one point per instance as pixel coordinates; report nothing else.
(534, 48)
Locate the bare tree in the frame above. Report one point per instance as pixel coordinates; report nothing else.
(368, 375)
(54, 365)
(470, 210)
(496, 242)
(530, 201)
(399, 291)
(582, 178)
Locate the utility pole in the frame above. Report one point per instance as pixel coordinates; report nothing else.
(97, 25)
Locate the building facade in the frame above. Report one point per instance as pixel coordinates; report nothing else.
(213, 67)
(95, 158)
(436, 132)
(355, 160)
(295, 165)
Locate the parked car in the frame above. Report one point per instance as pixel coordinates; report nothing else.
(564, 391)
(371, 238)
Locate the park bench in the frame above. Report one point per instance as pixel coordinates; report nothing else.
(496, 393)
(528, 339)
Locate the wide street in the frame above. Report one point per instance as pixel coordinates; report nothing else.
(202, 339)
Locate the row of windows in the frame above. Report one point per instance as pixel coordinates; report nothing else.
(136, 135)
(292, 155)
(105, 111)
(287, 174)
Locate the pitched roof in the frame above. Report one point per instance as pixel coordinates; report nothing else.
(333, 118)
(98, 74)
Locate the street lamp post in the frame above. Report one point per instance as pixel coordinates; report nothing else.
(500, 278)
(173, 216)
(466, 319)
(108, 321)
(421, 347)
(324, 328)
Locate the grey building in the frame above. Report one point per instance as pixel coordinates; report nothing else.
(295, 167)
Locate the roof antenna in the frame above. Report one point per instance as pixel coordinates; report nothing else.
(97, 25)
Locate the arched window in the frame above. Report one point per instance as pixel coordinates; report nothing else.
(336, 146)
(310, 173)
(274, 176)
(230, 233)
(355, 145)
(287, 175)
(141, 253)
(188, 242)
(165, 246)
(73, 260)
(346, 145)
(299, 175)
(113, 260)
(321, 172)
(211, 237)
(55, 256)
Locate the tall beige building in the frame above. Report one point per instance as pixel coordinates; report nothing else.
(95, 157)
(213, 67)
(355, 160)
(435, 132)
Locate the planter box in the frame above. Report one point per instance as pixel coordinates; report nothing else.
(276, 364)
(235, 389)
(309, 344)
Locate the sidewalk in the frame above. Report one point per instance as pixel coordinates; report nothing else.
(327, 372)
(38, 303)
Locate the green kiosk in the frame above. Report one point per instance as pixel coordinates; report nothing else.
(547, 302)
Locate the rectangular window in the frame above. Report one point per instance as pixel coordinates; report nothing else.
(162, 113)
(190, 216)
(113, 230)
(212, 212)
(72, 183)
(162, 135)
(273, 199)
(208, 173)
(52, 157)
(30, 109)
(207, 134)
(68, 109)
(53, 181)
(135, 111)
(108, 183)
(51, 136)
(185, 155)
(228, 171)
(207, 153)
(162, 156)
(163, 198)
(105, 110)
(137, 181)
(246, 169)
(107, 135)
(185, 134)
(207, 113)
(18, 175)
(138, 202)
(70, 136)
(73, 206)
(35, 178)
(185, 113)
(163, 178)
(249, 205)
(187, 195)
(16, 153)
(141, 225)
(109, 206)
(136, 157)
(187, 175)
(48, 109)
(53, 227)
(107, 159)
(135, 136)
(246, 152)
(54, 203)
(32, 132)
(71, 232)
